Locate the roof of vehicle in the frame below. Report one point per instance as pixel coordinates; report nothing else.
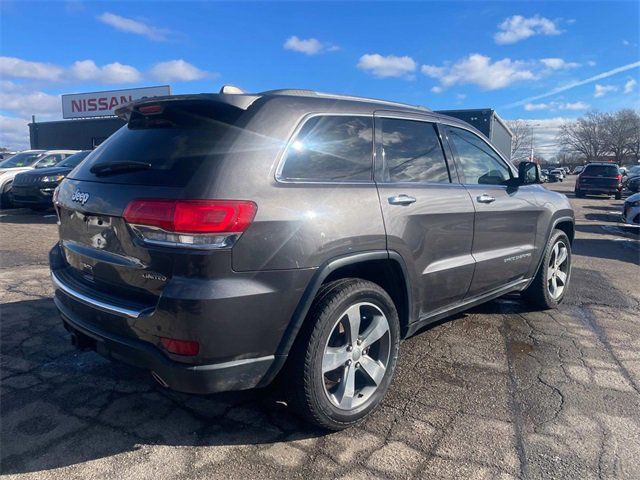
(50, 152)
(602, 163)
(310, 99)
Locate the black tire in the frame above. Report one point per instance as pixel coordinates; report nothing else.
(308, 393)
(5, 196)
(618, 196)
(579, 193)
(537, 293)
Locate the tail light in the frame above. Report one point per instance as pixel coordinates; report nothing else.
(190, 223)
(180, 347)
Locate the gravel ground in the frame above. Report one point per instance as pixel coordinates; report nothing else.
(499, 391)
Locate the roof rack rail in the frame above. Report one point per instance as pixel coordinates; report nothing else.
(313, 93)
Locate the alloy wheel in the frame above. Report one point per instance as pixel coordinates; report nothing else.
(558, 270)
(356, 356)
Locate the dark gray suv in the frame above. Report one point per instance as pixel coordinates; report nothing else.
(222, 240)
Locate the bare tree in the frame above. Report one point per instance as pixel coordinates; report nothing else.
(618, 133)
(520, 141)
(584, 136)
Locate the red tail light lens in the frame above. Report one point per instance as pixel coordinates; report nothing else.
(150, 109)
(192, 216)
(180, 347)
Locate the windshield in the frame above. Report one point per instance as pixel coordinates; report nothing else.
(24, 159)
(74, 159)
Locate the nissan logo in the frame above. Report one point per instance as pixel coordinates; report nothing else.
(80, 197)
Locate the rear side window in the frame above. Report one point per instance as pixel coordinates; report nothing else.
(601, 171)
(411, 152)
(331, 148)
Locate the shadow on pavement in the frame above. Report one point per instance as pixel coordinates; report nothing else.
(26, 216)
(77, 407)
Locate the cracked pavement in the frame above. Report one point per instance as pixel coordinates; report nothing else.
(496, 392)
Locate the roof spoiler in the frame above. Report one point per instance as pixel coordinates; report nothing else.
(227, 96)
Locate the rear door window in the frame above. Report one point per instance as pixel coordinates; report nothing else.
(601, 171)
(331, 148)
(411, 152)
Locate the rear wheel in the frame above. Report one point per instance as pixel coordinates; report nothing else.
(618, 195)
(579, 193)
(345, 357)
(548, 288)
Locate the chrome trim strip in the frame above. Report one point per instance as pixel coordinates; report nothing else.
(92, 302)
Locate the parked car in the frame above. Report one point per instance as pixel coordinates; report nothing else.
(552, 177)
(599, 179)
(631, 181)
(34, 188)
(221, 240)
(559, 172)
(631, 210)
(6, 155)
(22, 162)
(577, 169)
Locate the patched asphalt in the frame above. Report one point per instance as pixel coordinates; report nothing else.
(498, 392)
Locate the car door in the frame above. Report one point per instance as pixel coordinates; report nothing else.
(505, 218)
(428, 218)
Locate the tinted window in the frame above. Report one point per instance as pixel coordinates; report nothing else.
(21, 160)
(477, 162)
(601, 170)
(411, 152)
(331, 148)
(74, 159)
(185, 140)
(50, 160)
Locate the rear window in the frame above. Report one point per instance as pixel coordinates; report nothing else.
(24, 159)
(601, 170)
(331, 148)
(183, 140)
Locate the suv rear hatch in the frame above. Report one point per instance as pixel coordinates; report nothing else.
(165, 146)
(600, 177)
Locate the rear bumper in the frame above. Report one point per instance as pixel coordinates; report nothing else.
(603, 190)
(199, 379)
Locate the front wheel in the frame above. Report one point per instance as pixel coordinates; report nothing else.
(549, 287)
(618, 195)
(345, 357)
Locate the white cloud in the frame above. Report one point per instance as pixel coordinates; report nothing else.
(569, 86)
(17, 68)
(558, 63)
(437, 89)
(177, 71)
(309, 46)
(480, 70)
(387, 66)
(14, 133)
(602, 90)
(630, 85)
(517, 27)
(87, 70)
(134, 26)
(591, 63)
(30, 103)
(532, 107)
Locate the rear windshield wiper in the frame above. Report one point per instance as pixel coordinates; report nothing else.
(113, 168)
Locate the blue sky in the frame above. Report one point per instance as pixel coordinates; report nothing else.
(511, 56)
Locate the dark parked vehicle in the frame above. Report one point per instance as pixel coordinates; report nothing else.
(599, 179)
(631, 181)
(221, 240)
(34, 188)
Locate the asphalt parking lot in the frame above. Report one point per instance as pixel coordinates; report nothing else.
(497, 392)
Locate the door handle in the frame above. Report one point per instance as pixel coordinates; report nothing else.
(401, 199)
(485, 198)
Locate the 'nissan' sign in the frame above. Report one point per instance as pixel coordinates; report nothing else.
(103, 104)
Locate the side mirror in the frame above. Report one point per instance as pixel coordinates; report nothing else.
(528, 173)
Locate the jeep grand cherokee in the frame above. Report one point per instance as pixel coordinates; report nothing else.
(220, 240)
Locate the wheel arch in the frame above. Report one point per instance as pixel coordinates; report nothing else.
(382, 267)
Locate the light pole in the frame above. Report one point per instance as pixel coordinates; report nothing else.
(533, 139)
